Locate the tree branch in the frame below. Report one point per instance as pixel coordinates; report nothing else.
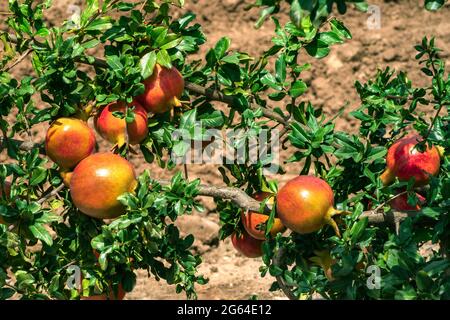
(215, 95)
(238, 196)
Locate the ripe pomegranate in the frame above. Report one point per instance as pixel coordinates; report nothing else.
(253, 221)
(69, 141)
(401, 203)
(405, 161)
(305, 205)
(98, 181)
(162, 90)
(113, 129)
(247, 245)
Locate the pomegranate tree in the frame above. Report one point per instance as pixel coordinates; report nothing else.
(86, 211)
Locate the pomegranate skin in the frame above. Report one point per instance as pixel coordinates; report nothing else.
(162, 90)
(252, 219)
(404, 161)
(98, 181)
(400, 203)
(113, 129)
(305, 205)
(69, 141)
(247, 245)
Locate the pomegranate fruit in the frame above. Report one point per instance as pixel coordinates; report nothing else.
(247, 245)
(401, 203)
(306, 204)
(114, 129)
(162, 90)
(405, 161)
(69, 141)
(98, 181)
(254, 221)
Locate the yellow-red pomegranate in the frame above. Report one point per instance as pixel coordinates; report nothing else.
(306, 204)
(69, 141)
(113, 129)
(254, 221)
(98, 181)
(405, 161)
(247, 245)
(401, 203)
(162, 90)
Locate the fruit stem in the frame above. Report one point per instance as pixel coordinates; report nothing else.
(387, 177)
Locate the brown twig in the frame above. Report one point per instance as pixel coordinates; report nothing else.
(54, 192)
(216, 95)
(277, 261)
(18, 60)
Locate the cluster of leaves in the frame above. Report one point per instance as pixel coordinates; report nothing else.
(389, 108)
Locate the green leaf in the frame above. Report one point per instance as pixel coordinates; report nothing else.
(317, 49)
(433, 5)
(423, 281)
(100, 24)
(90, 9)
(280, 68)
(339, 28)
(295, 13)
(163, 59)
(298, 88)
(114, 63)
(147, 63)
(38, 176)
(221, 47)
(38, 230)
(358, 229)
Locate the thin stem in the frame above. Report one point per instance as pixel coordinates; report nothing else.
(433, 122)
(51, 194)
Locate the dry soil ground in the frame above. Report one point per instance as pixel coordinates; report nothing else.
(331, 81)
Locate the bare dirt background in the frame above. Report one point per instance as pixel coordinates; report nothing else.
(331, 81)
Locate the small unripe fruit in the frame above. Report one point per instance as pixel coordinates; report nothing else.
(98, 181)
(69, 141)
(253, 221)
(306, 204)
(405, 161)
(247, 245)
(113, 129)
(162, 90)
